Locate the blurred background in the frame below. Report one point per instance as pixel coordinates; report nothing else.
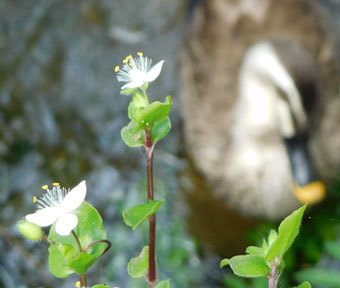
(61, 113)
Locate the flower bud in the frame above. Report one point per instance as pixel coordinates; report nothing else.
(30, 230)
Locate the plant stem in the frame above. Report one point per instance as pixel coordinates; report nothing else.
(273, 277)
(152, 276)
(83, 278)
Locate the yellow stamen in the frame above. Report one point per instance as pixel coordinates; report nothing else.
(56, 184)
(131, 64)
(117, 68)
(125, 61)
(45, 187)
(78, 284)
(140, 53)
(35, 199)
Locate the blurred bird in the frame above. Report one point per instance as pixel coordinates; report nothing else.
(260, 104)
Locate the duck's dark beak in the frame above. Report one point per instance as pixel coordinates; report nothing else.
(308, 187)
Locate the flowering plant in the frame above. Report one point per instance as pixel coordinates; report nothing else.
(74, 245)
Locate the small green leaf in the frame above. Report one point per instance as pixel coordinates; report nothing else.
(224, 262)
(82, 262)
(138, 266)
(288, 230)
(248, 265)
(133, 135)
(272, 237)
(304, 285)
(254, 250)
(90, 228)
(101, 286)
(140, 100)
(163, 284)
(160, 129)
(333, 248)
(138, 214)
(320, 277)
(154, 112)
(59, 256)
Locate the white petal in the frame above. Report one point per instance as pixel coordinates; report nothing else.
(154, 72)
(74, 198)
(133, 84)
(44, 217)
(65, 224)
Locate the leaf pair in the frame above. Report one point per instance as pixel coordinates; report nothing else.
(260, 260)
(65, 257)
(138, 267)
(144, 117)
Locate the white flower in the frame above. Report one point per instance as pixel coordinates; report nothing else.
(138, 71)
(57, 205)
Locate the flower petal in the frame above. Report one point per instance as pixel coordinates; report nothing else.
(154, 72)
(74, 198)
(44, 217)
(65, 224)
(133, 84)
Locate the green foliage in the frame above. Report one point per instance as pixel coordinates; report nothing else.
(260, 261)
(304, 285)
(138, 214)
(64, 256)
(138, 266)
(59, 258)
(133, 135)
(100, 286)
(153, 117)
(160, 129)
(148, 115)
(163, 284)
(248, 265)
(288, 230)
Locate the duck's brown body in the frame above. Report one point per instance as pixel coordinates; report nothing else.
(221, 33)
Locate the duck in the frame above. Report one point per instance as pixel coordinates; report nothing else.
(260, 103)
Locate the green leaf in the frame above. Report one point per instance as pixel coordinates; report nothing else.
(163, 284)
(89, 229)
(133, 135)
(138, 266)
(333, 248)
(272, 237)
(140, 100)
(154, 112)
(224, 262)
(138, 214)
(304, 285)
(254, 250)
(160, 129)
(320, 277)
(82, 262)
(101, 286)
(248, 265)
(288, 230)
(59, 256)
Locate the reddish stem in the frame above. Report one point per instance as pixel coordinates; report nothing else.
(152, 219)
